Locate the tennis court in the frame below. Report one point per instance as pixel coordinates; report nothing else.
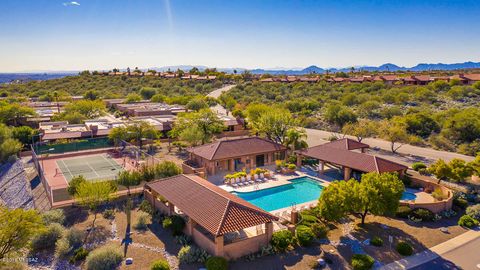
(94, 167)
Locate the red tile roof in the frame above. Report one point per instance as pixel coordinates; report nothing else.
(358, 161)
(347, 144)
(472, 77)
(231, 148)
(213, 208)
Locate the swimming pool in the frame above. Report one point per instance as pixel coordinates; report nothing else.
(301, 190)
(408, 196)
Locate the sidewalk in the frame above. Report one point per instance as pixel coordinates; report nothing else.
(434, 252)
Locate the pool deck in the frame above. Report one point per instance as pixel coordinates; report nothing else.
(276, 181)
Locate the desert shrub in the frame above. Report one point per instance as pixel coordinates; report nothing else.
(308, 220)
(281, 240)
(53, 216)
(460, 202)
(192, 254)
(48, 238)
(474, 211)
(418, 165)
(183, 239)
(71, 239)
(467, 221)
(362, 262)
(291, 166)
(78, 255)
(304, 235)
(376, 241)
(146, 207)
(167, 223)
(423, 214)
(74, 183)
(438, 194)
(216, 263)
(109, 214)
(104, 258)
(403, 211)
(142, 220)
(160, 265)
(319, 230)
(404, 248)
(178, 224)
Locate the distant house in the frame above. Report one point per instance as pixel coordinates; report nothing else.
(230, 155)
(387, 79)
(417, 80)
(469, 79)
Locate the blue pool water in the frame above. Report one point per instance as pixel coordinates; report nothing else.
(301, 190)
(407, 196)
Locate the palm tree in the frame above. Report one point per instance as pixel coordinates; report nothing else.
(296, 139)
(55, 95)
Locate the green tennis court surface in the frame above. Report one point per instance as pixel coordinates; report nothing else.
(99, 167)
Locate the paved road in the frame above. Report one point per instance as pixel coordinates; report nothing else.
(461, 252)
(407, 154)
(215, 94)
(465, 257)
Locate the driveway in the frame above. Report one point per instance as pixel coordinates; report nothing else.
(406, 154)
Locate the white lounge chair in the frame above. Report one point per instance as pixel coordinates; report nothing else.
(249, 179)
(238, 182)
(257, 179)
(244, 181)
(232, 182)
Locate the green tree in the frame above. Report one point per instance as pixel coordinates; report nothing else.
(440, 169)
(395, 132)
(129, 179)
(475, 165)
(205, 120)
(274, 124)
(296, 139)
(255, 110)
(23, 134)
(133, 97)
(17, 227)
(460, 170)
(8, 145)
(377, 194)
(158, 98)
(193, 135)
(11, 113)
(141, 130)
(147, 92)
(91, 95)
(74, 183)
(421, 124)
(463, 126)
(92, 195)
(339, 115)
(86, 109)
(361, 129)
(118, 134)
(196, 104)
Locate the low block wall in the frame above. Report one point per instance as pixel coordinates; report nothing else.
(203, 241)
(244, 247)
(437, 206)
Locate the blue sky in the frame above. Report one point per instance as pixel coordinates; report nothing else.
(103, 34)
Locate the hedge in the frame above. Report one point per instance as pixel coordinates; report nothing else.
(281, 240)
(404, 248)
(160, 265)
(468, 221)
(362, 262)
(216, 263)
(304, 235)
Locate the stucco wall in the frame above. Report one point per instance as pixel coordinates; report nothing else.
(246, 246)
(437, 206)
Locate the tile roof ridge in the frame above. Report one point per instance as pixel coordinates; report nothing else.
(220, 226)
(376, 163)
(216, 148)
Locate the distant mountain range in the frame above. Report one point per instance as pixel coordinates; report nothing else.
(40, 75)
(384, 67)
